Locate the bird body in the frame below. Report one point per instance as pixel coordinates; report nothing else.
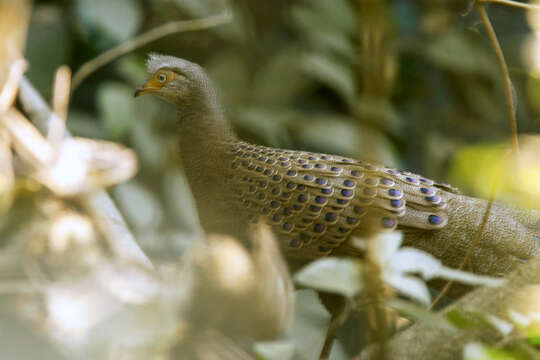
(314, 202)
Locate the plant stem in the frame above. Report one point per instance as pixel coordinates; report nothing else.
(480, 230)
(156, 33)
(505, 75)
(513, 4)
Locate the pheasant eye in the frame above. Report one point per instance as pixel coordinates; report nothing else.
(161, 78)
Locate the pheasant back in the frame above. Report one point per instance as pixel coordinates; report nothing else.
(317, 201)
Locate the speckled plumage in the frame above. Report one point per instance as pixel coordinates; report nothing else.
(316, 201)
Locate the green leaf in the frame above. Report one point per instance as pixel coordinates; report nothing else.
(339, 13)
(116, 107)
(148, 145)
(118, 20)
(230, 73)
(533, 333)
(456, 52)
(179, 200)
(265, 124)
(119, 110)
(338, 134)
(467, 320)
(323, 15)
(381, 112)
(335, 275)
(132, 69)
(334, 74)
(334, 42)
(48, 45)
(139, 205)
(329, 133)
(420, 314)
(481, 100)
(475, 166)
(533, 92)
(285, 64)
(236, 31)
(83, 124)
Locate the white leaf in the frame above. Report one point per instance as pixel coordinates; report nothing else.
(342, 276)
(519, 318)
(409, 286)
(409, 260)
(384, 246)
(308, 329)
(416, 261)
(469, 278)
(359, 243)
(274, 350)
(503, 326)
(475, 351)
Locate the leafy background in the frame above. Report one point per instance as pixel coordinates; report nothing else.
(422, 92)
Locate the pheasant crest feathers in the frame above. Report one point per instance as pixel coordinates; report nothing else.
(156, 61)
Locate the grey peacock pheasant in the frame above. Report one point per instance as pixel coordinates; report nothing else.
(316, 201)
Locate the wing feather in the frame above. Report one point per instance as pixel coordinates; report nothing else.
(315, 201)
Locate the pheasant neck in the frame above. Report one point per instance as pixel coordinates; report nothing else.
(202, 122)
(205, 136)
(204, 132)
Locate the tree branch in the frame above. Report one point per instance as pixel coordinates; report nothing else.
(161, 31)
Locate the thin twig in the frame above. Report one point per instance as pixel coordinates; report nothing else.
(98, 202)
(513, 4)
(60, 104)
(375, 292)
(511, 108)
(157, 33)
(8, 93)
(480, 230)
(513, 138)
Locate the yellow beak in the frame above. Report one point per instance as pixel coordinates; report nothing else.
(148, 87)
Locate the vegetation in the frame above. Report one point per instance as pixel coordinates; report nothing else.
(91, 274)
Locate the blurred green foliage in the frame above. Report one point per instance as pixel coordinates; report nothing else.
(292, 74)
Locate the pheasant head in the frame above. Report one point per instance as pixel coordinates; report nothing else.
(177, 81)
